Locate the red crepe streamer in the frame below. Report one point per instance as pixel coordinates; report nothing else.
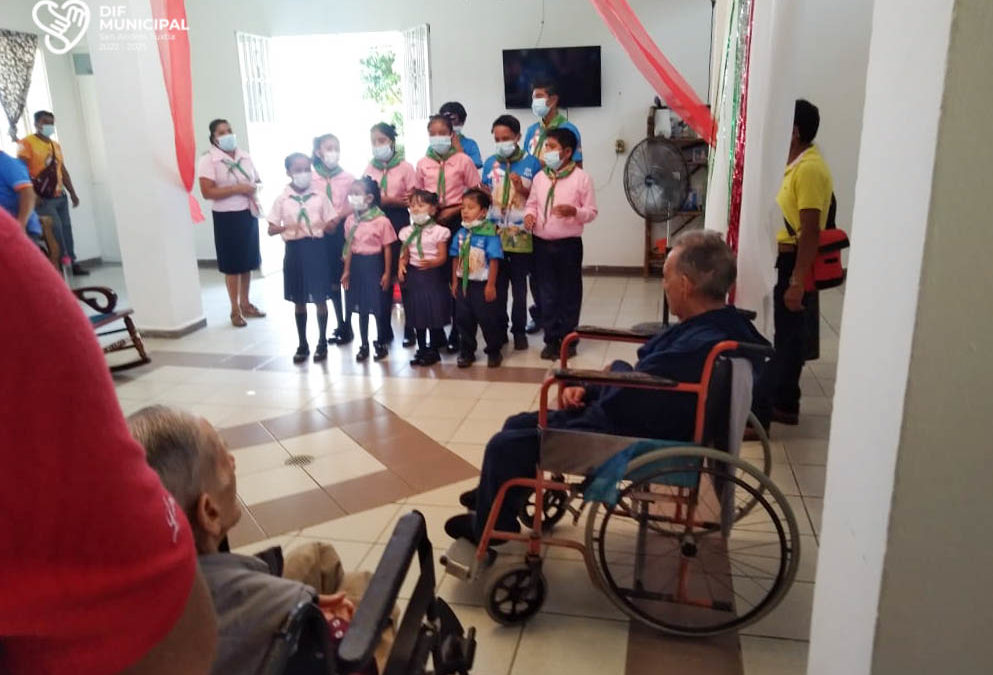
(174, 54)
(656, 68)
(738, 174)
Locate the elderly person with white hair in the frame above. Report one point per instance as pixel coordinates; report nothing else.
(251, 599)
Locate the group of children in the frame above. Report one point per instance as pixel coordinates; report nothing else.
(459, 243)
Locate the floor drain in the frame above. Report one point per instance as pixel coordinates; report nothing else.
(299, 460)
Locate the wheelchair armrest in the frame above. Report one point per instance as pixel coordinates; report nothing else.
(603, 333)
(627, 379)
(109, 298)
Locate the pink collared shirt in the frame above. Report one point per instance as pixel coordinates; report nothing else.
(460, 175)
(371, 236)
(400, 180)
(575, 190)
(432, 236)
(339, 188)
(286, 211)
(218, 166)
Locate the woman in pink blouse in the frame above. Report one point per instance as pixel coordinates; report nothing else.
(229, 180)
(369, 236)
(334, 182)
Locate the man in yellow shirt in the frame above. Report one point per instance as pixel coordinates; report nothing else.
(42, 155)
(805, 199)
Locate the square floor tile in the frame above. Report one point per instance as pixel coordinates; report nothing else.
(570, 591)
(811, 480)
(791, 617)
(565, 644)
(441, 430)
(257, 458)
(369, 491)
(460, 389)
(297, 424)
(295, 512)
(360, 527)
(320, 443)
(470, 452)
(444, 407)
(768, 656)
(268, 485)
(342, 466)
(245, 435)
(443, 496)
(490, 409)
(807, 451)
(815, 506)
(477, 430)
(509, 391)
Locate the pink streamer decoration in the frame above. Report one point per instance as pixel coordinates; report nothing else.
(738, 174)
(656, 68)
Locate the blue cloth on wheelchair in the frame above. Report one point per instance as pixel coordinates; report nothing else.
(603, 487)
(97, 318)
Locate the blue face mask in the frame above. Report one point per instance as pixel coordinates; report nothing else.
(441, 144)
(506, 148)
(382, 152)
(552, 160)
(47, 130)
(539, 106)
(227, 142)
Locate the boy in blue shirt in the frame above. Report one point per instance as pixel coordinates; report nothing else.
(476, 253)
(508, 175)
(17, 195)
(545, 105)
(455, 112)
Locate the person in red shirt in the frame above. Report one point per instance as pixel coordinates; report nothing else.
(98, 569)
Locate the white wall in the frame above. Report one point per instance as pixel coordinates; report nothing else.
(466, 42)
(904, 86)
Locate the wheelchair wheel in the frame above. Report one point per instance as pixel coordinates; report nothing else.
(675, 555)
(516, 595)
(554, 506)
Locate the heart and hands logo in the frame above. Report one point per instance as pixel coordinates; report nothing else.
(64, 23)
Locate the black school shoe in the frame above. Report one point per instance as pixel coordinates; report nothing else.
(382, 351)
(520, 342)
(409, 339)
(428, 357)
(551, 351)
(453, 342)
(532, 328)
(466, 360)
(363, 353)
(321, 353)
(342, 336)
(494, 360)
(302, 354)
(468, 498)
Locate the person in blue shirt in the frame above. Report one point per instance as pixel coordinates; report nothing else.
(456, 113)
(17, 195)
(476, 253)
(508, 175)
(545, 106)
(698, 273)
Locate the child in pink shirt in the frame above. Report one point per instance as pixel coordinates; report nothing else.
(334, 181)
(301, 215)
(427, 302)
(562, 201)
(368, 239)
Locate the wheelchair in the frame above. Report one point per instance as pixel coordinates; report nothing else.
(685, 538)
(428, 631)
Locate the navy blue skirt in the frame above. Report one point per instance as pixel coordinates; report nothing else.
(427, 298)
(364, 294)
(236, 239)
(335, 245)
(306, 273)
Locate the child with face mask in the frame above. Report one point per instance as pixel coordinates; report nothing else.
(396, 178)
(369, 236)
(334, 182)
(476, 254)
(423, 255)
(561, 203)
(301, 216)
(508, 176)
(448, 173)
(545, 106)
(457, 115)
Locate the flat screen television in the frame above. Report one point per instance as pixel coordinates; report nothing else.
(576, 71)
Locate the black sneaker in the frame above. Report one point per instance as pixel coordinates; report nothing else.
(321, 353)
(303, 353)
(520, 342)
(494, 360)
(466, 360)
(551, 351)
(381, 352)
(468, 499)
(363, 353)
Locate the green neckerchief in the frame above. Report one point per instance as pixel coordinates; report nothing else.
(441, 159)
(303, 216)
(415, 237)
(556, 122)
(365, 216)
(325, 172)
(236, 166)
(516, 157)
(486, 229)
(556, 176)
(395, 160)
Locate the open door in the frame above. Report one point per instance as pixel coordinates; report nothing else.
(416, 81)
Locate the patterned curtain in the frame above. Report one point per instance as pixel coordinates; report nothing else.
(17, 52)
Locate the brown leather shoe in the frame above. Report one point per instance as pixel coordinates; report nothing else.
(250, 311)
(238, 321)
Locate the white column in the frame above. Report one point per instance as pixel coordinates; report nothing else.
(903, 572)
(150, 205)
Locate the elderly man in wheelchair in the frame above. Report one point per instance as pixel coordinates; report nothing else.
(654, 449)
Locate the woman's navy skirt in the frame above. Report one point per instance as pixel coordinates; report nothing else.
(236, 239)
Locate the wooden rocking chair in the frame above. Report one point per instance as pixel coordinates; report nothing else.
(104, 301)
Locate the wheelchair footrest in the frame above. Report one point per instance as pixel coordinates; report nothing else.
(460, 559)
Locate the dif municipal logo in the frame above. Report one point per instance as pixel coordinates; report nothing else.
(65, 24)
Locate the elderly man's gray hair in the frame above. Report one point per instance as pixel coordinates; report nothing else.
(707, 261)
(179, 451)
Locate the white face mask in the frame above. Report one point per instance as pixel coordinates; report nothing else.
(357, 202)
(330, 158)
(419, 218)
(47, 130)
(301, 181)
(539, 106)
(227, 142)
(506, 148)
(472, 224)
(458, 129)
(382, 153)
(441, 144)
(552, 160)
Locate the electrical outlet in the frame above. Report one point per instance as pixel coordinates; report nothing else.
(620, 147)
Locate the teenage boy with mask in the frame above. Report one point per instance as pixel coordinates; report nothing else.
(456, 113)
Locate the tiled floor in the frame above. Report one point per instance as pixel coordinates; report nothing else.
(339, 451)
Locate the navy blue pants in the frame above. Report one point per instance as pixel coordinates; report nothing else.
(473, 312)
(513, 282)
(559, 270)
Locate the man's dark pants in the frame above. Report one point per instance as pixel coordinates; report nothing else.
(791, 341)
(559, 270)
(57, 208)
